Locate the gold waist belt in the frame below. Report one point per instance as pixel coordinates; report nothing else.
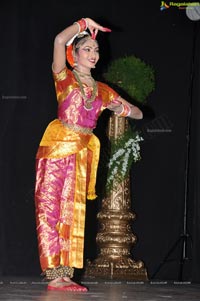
(77, 128)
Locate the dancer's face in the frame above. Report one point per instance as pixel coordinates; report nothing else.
(87, 54)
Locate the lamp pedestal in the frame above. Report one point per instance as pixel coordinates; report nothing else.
(115, 238)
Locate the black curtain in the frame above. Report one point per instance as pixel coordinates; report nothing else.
(163, 39)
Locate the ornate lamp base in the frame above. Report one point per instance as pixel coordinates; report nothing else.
(117, 269)
(115, 238)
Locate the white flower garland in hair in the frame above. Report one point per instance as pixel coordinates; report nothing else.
(124, 151)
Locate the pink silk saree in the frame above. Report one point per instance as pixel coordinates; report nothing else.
(66, 167)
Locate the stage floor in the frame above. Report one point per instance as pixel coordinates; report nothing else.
(29, 289)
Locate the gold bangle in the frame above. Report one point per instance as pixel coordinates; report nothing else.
(82, 24)
(126, 111)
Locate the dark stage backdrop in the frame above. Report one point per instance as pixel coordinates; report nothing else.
(163, 39)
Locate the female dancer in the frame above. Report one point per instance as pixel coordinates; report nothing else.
(68, 154)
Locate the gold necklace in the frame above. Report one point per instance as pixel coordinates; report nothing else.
(87, 101)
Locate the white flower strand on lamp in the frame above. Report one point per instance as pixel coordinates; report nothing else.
(123, 157)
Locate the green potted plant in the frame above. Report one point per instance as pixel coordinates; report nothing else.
(136, 79)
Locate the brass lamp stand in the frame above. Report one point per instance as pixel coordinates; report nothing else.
(115, 237)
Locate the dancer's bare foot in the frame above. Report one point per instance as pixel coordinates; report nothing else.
(65, 284)
(73, 286)
(56, 284)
